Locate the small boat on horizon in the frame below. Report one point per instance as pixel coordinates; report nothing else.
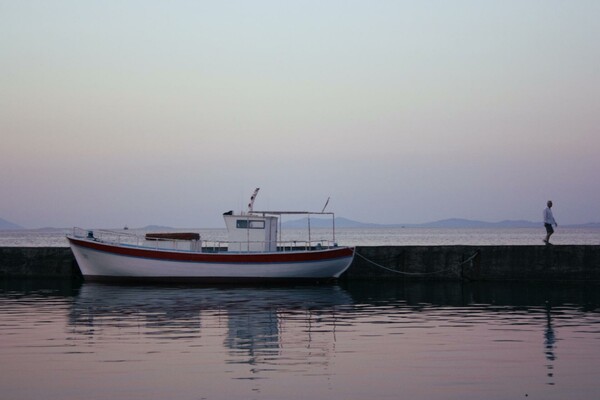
(255, 251)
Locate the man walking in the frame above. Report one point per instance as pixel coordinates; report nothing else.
(548, 222)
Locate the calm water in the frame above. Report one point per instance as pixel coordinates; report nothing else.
(350, 341)
(364, 237)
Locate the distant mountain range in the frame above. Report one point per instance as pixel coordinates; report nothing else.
(8, 226)
(444, 223)
(348, 223)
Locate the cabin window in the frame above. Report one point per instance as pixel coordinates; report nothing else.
(249, 224)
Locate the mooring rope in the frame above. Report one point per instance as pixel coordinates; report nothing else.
(419, 273)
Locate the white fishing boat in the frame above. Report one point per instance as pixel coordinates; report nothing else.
(255, 250)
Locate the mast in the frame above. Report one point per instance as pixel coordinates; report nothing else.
(252, 198)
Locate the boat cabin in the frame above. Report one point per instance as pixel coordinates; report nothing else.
(249, 232)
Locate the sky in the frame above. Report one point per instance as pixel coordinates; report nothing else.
(117, 113)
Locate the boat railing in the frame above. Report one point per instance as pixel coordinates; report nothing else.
(108, 236)
(211, 246)
(137, 239)
(295, 245)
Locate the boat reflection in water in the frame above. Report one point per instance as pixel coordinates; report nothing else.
(250, 321)
(228, 342)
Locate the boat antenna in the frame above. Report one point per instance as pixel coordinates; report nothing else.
(325, 206)
(252, 198)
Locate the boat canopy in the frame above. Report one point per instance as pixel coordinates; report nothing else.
(259, 230)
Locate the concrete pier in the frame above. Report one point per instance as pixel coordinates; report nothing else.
(477, 263)
(38, 262)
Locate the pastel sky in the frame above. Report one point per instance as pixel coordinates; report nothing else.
(118, 113)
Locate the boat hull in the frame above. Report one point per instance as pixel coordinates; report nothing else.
(104, 261)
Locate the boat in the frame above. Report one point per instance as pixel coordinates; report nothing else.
(255, 251)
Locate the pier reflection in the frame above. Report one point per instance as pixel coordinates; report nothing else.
(297, 328)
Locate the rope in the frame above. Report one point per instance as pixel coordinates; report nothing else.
(419, 273)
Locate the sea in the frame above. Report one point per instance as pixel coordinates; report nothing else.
(354, 236)
(63, 339)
